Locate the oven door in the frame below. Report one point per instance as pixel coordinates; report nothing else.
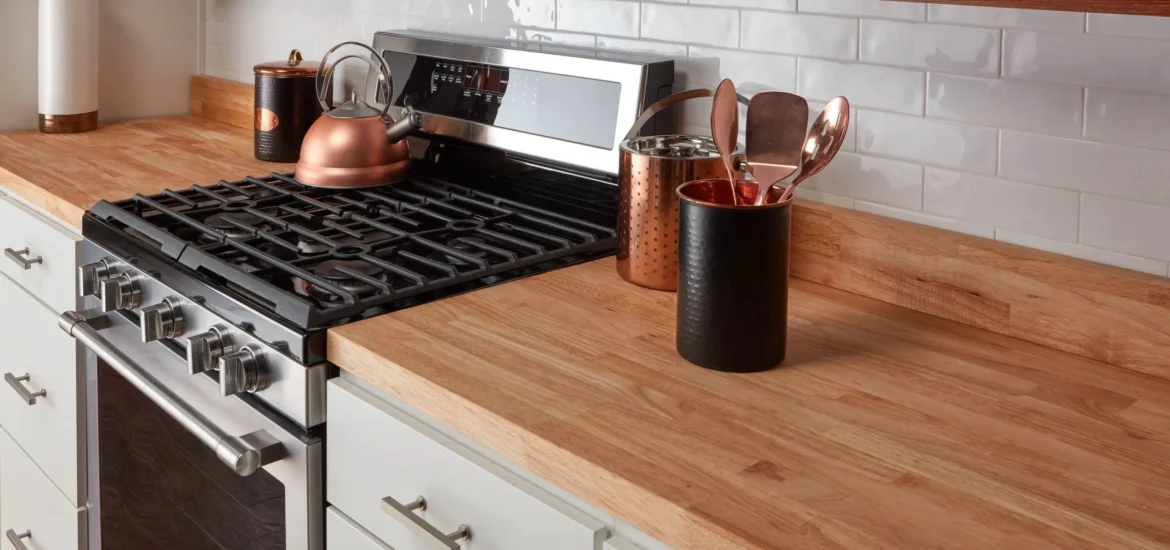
(173, 464)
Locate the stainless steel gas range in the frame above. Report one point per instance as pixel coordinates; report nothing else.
(208, 306)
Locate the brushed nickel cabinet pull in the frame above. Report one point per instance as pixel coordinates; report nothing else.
(18, 256)
(436, 539)
(17, 384)
(15, 538)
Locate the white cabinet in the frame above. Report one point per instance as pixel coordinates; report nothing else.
(39, 255)
(618, 543)
(41, 399)
(31, 509)
(379, 456)
(341, 533)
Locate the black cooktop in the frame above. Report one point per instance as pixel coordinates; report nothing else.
(319, 257)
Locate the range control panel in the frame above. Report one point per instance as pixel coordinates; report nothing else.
(569, 108)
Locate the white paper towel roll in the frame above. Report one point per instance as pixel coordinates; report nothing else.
(67, 59)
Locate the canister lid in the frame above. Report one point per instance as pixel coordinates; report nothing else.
(294, 66)
(673, 146)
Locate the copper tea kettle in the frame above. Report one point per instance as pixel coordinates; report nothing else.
(356, 145)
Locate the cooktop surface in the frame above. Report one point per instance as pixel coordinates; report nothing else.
(318, 257)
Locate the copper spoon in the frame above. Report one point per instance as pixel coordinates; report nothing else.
(776, 125)
(823, 141)
(725, 127)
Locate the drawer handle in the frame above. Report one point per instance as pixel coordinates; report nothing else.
(435, 538)
(18, 256)
(27, 396)
(15, 537)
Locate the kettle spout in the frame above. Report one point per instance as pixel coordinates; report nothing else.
(410, 122)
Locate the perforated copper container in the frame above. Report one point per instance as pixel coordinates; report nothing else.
(652, 168)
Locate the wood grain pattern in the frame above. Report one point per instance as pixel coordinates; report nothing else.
(66, 174)
(886, 429)
(224, 100)
(1134, 7)
(1113, 315)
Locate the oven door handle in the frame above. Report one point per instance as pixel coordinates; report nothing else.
(244, 454)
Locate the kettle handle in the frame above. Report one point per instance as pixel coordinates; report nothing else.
(382, 67)
(669, 100)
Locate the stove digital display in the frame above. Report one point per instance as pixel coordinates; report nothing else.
(564, 107)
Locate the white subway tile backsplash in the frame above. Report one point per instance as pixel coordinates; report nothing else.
(872, 179)
(940, 222)
(752, 72)
(869, 8)
(871, 86)
(1083, 252)
(1142, 120)
(1007, 17)
(803, 192)
(1054, 109)
(800, 34)
(1124, 172)
(527, 13)
(1130, 25)
(631, 45)
(949, 48)
(1127, 227)
(613, 17)
(1035, 127)
(1093, 60)
(927, 141)
(994, 202)
(777, 5)
(685, 23)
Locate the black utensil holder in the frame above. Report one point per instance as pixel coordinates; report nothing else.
(733, 277)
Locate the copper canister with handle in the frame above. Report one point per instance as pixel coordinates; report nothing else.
(652, 168)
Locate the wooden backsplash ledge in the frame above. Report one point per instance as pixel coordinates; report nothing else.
(1110, 314)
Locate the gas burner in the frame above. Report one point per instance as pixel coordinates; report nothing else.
(332, 271)
(222, 222)
(309, 246)
(471, 246)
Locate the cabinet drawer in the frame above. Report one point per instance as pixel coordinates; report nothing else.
(377, 451)
(53, 280)
(51, 430)
(342, 534)
(618, 543)
(29, 503)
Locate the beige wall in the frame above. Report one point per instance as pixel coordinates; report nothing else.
(149, 50)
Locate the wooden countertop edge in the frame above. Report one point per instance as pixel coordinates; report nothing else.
(39, 197)
(621, 497)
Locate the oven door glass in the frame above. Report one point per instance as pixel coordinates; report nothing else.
(158, 486)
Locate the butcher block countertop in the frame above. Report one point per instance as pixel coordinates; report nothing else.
(66, 174)
(885, 428)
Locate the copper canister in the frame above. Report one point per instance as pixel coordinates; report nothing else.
(286, 106)
(652, 168)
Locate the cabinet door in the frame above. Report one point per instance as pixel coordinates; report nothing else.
(342, 533)
(33, 507)
(40, 357)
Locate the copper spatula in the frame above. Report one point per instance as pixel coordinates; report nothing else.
(776, 126)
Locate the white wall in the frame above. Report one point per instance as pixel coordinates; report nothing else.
(149, 50)
(1046, 129)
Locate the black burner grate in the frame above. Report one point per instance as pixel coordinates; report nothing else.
(318, 256)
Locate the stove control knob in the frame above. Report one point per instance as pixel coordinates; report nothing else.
(119, 292)
(204, 350)
(89, 276)
(242, 371)
(164, 320)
